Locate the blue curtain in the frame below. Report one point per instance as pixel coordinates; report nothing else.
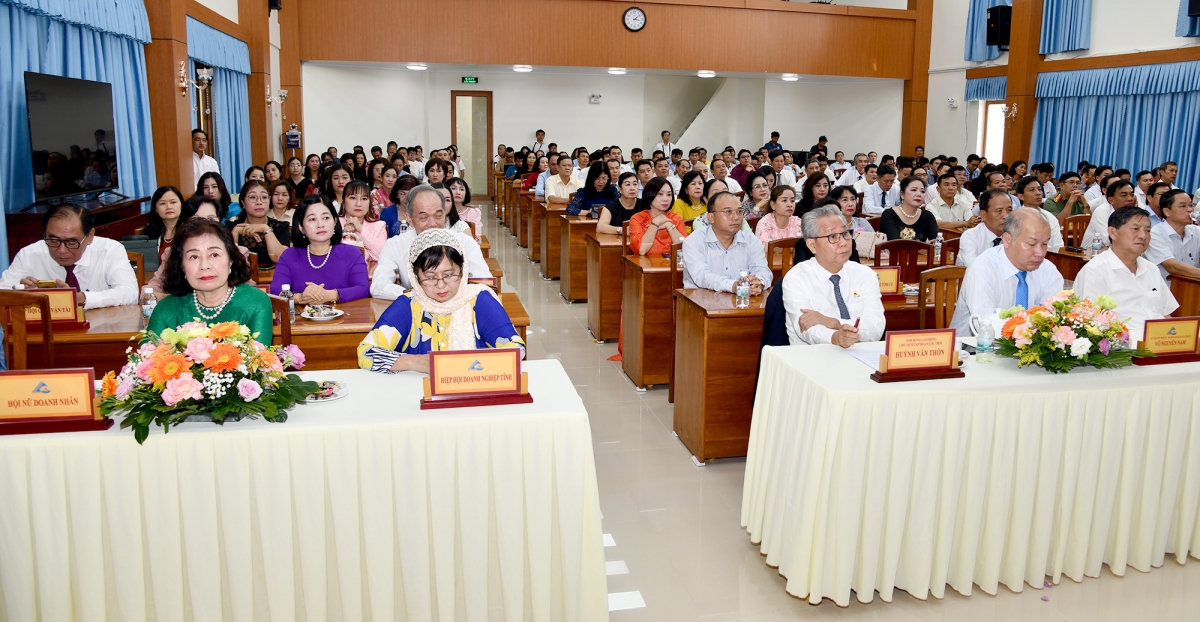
(977, 49)
(230, 60)
(39, 42)
(1130, 117)
(1066, 26)
(986, 89)
(1186, 26)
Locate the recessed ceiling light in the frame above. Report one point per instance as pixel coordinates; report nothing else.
(706, 73)
(523, 68)
(616, 71)
(417, 67)
(790, 77)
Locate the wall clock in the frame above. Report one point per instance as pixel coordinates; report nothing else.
(635, 19)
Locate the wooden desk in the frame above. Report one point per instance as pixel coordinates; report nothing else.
(534, 217)
(520, 227)
(646, 319)
(485, 246)
(550, 232)
(604, 285)
(510, 207)
(111, 220)
(1069, 263)
(716, 356)
(327, 345)
(1187, 293)
(573, 264)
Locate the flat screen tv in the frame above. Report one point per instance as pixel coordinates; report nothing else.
(72, 141)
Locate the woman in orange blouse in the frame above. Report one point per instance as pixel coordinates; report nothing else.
(654, 228)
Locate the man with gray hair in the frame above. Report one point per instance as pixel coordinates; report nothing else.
(830, 299)
(854, 173)
(426, 210)
(1013, 273)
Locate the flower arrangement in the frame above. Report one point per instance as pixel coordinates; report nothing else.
(1065, 332)
(201, 369)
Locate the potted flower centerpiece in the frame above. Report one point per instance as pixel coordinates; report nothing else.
(1065, 332)
(216, 372)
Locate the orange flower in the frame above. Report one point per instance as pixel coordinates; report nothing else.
(1013, 322)
(1036, 309)
(167, 367)
(217, 332)
(267, 359)
(108, 385)
(223, 357)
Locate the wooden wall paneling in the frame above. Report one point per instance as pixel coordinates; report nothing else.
(884, 40)
(254, 17)
(916, 88)
(1024, 62)
(170, 110)
(1123, 60)
(210, 17)
(988, 72)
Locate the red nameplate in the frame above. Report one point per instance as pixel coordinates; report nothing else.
(463, 378)
(65, 311)
(918, 355)
(49, 400)
(1172, 340)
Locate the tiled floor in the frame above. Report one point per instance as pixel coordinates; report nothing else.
(676, 526)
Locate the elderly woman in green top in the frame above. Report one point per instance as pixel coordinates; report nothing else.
(207, 281)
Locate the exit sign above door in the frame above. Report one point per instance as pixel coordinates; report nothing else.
(470, 80)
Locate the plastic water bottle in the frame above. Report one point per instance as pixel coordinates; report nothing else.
(148, 303)
(937, 246)
(1097, 244)
(402, 226)
(285, 292)
(985, 342)
(742, 290)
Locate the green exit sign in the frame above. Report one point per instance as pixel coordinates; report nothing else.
(470, 80)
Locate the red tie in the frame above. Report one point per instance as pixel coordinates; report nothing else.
(71, 280)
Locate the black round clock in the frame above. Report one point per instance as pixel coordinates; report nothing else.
(634, 19)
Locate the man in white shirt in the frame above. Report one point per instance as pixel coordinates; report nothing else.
(830, 299)
(1134, 282)
(682, 167)
(1144, 180)
(559, 187)
(715, 256)
(870, 175)
(645, 172)
(666, 146)
(1170, 172)
(1014, 273)
(1045, 173)
(882, 194)
(426, 210)
(720, 171)
(582, 162)
(839, 164)
(1029, 192)
(994, 208)
(201, 162)
(1119, 193)
(825, 170)
(951, 210)
(1175, 243)
(853, 173)
(539, 142)
(1095, 192)
(496, 158)
(783, 174)
(872, 158)
(614, 153)
(72, 256)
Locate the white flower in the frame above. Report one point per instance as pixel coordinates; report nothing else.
(1081, 347)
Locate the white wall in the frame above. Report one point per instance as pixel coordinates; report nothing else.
(672, 103)
(347, 106)
(225, 8)
(1124, 26)
(855, 116)
(274, 145)
(733, 116)
(952, 131)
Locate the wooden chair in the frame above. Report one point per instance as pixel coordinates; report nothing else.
(472, 226)
(907, 255)
(949, 252)
(253, 259)
(786, 246)
(279, 308)
(12, 318)
(1076, 228)
(874, 220)
(943, 284)
(625, 250)
(676, 283)
(138, 261)
(752, 222)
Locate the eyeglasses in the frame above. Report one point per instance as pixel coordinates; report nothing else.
(729, 213)
(834, 238)
(448, 279)
(71, 244)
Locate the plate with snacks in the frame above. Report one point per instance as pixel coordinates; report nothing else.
(321, 313)
(327, 391)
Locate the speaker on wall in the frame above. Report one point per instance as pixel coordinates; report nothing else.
(275, 5)
(1193, 8)
(999, 21)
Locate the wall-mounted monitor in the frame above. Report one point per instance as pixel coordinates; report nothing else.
(72, 141)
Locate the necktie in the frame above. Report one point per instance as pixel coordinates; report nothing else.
(837, 294)
(996, 242)
(1022, 290)
(71, 280)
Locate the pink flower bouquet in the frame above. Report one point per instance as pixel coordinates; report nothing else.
(1065, 332)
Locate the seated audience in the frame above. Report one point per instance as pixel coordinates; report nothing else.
(395, 216)
(1118, 194)
(207, 279)
(1029, 192)
(460, 194)
(711, 188)
(780, 220)
(758, 197)
(690, 203)
(994, 208)
(815, 188)
(870, 175)
(1175, 243)
(318, 267)
(595, 193)
(1015, 273)
(714, 257)
(616, 212)
(360, 227)
(560, 187)
(951, 209)
(381, 196)
(847, 202)
(254, 173)
(654, 228)
(283, 198)
(829, 298)
(426, 209)
(72, 256)
(720, 171)
(167, 211)
(255, 229)
(212, 186)
(443, 312)
(851, 174)
(884, 193)
(336, 179)
(1132, 281)
(551, 169)
(1153, 194)
(909, 220)
(198, 206)
(1068, 200)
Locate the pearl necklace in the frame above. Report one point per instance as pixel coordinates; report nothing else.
(315, 266)
(905, 212)
(200, 308)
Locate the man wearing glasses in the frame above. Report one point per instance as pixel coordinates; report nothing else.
(830, 299)
(714, 257)
(70, 255)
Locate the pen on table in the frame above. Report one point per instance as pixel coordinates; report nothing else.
(856, 323)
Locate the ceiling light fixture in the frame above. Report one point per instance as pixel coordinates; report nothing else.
(523, 68)
(417, 67)
(706, 73)
(790, 77)
(616, 71)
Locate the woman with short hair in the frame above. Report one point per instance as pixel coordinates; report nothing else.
(360, 226)
(255, 228)
(621, 209)
(909, 220)
(595, 193)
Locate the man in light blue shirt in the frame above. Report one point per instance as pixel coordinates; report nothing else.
(540, 190)
(713, 258)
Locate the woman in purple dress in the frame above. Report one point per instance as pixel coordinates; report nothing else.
(318, 267)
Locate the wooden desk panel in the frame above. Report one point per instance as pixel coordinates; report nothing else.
(533, 225)
(646, 320)
(1069, 263)
(1186, 291)
(550, 234)
(573, 264)
(604, 275)
(520, 227)
(485, 246)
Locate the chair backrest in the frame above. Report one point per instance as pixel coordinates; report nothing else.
(907, 255)
(874, 220)
(787, 248)
(949, 252)
(625, 250)
(12, 318)
(942, 284)
(138, 261)
(253, 259)
(676, 267)
(752, 222)
(279, 308)
(472, 226)
(1075, 230)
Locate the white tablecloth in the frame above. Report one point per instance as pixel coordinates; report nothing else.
(365, 508)
(1005, 476)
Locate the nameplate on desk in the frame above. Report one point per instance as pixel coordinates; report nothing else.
(65, 311)
(49, 400)
(889, 281)
(485, 377)
(491, 281)
(918, 355)
(1172, 340)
